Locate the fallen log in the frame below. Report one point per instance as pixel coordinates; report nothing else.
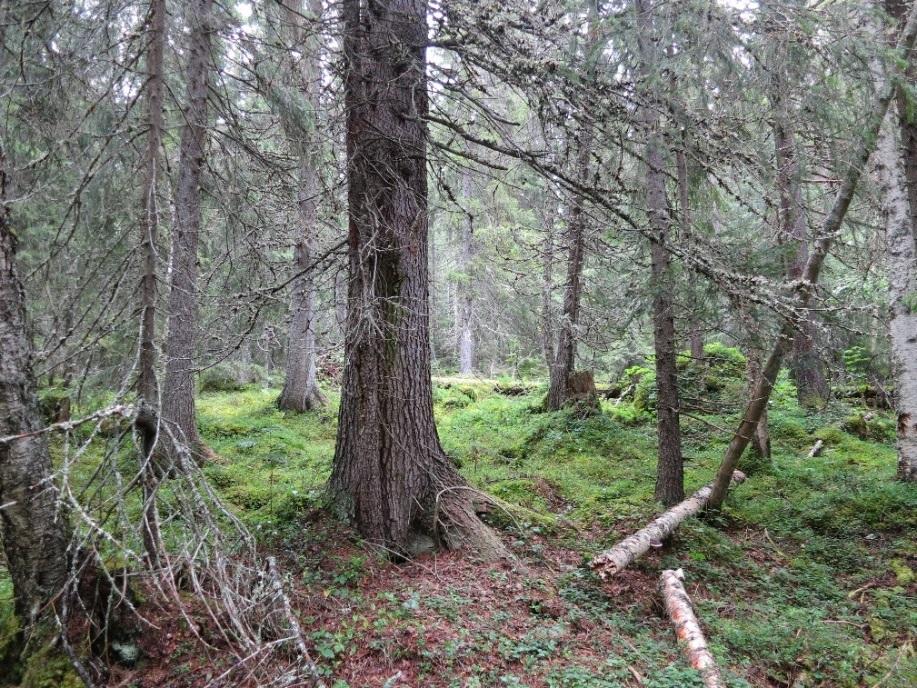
(815, 450)
(678, 605)
(626, 552)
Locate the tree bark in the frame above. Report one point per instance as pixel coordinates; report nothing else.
(178, 408)
(902, 282)
(547, 291)
(300, 390)
(147, 384)
(695, 328)
(809, 277)
(907, 120)
(390, 474)
(805, 365)
(681, 612)
(465, 296)
(670, 470)
(564, 361)
(631, 548)
(33, 530)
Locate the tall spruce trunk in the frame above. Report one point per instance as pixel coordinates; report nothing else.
(547, 290)
(695, 327)
(32, 529)
(300, 389)
(147, 384)
(907, 120)
(805, 365)
(390, 475)
(565, 354)
(669, 469)
(464, 311)
(809, 278)
(901, 252)
(178, 408)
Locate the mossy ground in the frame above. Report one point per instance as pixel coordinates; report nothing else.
(807, 578)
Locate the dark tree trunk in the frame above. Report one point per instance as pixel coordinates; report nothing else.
(805, 364)
(300, 390)
(465, 296)
(178, 409)
(390, 474)
(547, 290)
(564, 361)
(670, 470)
(147, 385)
(33, 531)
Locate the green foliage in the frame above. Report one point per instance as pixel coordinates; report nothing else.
(856, 361)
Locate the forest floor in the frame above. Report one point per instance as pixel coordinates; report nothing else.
(807, 578)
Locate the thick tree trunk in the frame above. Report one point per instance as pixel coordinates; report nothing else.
(898, 177)
(300, 389)
(670, 470)
(631, 548)
(390, 474)
(809, 278)
(564, 361)
(178, 409)
(147, 385)
(465, 296)
(902, 282)
(681, 612)
(811, 385)
(33, 531)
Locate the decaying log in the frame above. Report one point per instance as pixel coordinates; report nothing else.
(678, 606)
(626, 552)
(816, 449)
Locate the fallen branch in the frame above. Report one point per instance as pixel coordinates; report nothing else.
(635, 546)
(678, 606)
(815, 450)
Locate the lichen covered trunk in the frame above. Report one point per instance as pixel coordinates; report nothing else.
(33, 531)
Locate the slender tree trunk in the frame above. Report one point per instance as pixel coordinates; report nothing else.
(564, 361)
(178, 409)
(32, 529)
(300, 390)
(147, 385)
(901, 250)
(465, 292)
(695, 329)
(809, 277)
(808, 371)
(547, 291)
(390, 474)
(670, 471)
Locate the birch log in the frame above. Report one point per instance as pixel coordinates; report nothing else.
(626, 552)
(678, 606)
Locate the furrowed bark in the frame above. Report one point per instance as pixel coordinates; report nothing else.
(33, 530)
(681, 612)
(626, 552)
(670, 468)
(390, 475)
(300, 389)
(809, 278)
(178, 408)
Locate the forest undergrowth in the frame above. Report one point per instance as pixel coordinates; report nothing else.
(807, 577)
